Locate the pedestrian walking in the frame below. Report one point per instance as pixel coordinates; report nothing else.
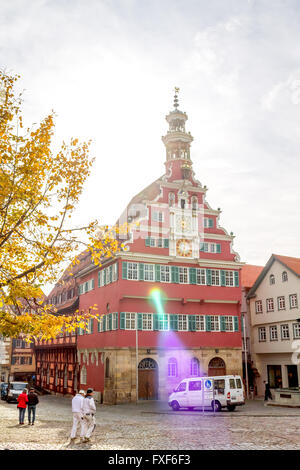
(33, 400)
(89, 412)
(77, 410)
(22, 405)
(268, 393)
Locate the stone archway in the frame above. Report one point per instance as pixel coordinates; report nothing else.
(148, 379)
(216, 366)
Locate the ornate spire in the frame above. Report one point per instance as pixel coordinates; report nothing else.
(176, 104)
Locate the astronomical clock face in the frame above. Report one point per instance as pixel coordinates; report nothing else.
(184, 247)
(183, 223)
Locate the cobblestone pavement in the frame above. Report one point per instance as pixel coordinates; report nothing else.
(153, 426)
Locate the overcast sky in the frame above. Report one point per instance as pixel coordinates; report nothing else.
(108, 69)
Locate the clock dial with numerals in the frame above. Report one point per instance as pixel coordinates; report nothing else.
(184, 247)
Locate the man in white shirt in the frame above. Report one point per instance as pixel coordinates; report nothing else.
(77, 410)
(89, 411)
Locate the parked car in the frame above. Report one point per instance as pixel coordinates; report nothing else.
(225, 391)
(14, 390)
(3, 390)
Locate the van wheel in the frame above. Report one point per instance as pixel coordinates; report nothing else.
(218, 406)
(175, 406)
(230, 407)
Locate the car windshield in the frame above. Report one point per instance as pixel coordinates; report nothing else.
(18, 386)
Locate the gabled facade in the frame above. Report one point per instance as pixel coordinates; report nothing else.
(171, 299)
(275, 323)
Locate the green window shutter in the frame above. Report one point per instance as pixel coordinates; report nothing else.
(110, 273)
(223, 278)
(117, 324)
(155, 321)
(117, 270)
(174, 322)
(207, 323)
(104, 277)
(208, 277)
(93, 283)
(222, 323)
(99, 277)
(140, 321)
(110, 321)
(147, 241)
(104, 322)
(124, 270)
(166, 243)
(192, 322)
(98, 322)
(201, 246)
(210, 223)
(236, 323)
(175, 274)
(236, 278)
(122, 321)
(192, 275)
(141, 272)
(157, 273)
(218, 248)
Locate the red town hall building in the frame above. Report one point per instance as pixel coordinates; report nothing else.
(170, 300)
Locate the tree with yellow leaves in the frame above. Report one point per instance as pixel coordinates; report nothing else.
(39, 191)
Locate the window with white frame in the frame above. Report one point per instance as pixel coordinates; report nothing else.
(284, 276)
(273, 333)
(293, 301)
(172, 367)
(229, 278)
(208, 222)
(215, 277)
(114, 321)
(228, 323)
(281, 302)
(200, 322)
(214, 323)
(285, 331)
(195, 367)
(147, 321)
(149, 272)
(115, 272)
(132, 271)
(163, 321)
(130, 321)
(182, 323)
(159, 243)
(164, 273)
(201, 277)
(83, 375)
(262, 334)
(296, 330)
(258, 306)
(183, 275)
(158, 216)
(270, 305)
(272, 279)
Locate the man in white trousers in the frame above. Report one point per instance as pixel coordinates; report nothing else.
(89, 411)
(77, 410)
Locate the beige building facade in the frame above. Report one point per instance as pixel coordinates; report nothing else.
(275, 323)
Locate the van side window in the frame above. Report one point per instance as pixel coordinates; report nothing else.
(181, 387)
(238, 383)
(195, 385)
(231, 383)
(220, 386)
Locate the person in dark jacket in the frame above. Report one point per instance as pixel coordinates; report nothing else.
(268, 393)
(33, 400)
(22, 405)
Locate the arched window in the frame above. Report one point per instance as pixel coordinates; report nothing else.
(195, 369)
(107, 367)
(272, 279)
(172, 367)
(83, 375)
(284, 276)
(171, 199)
(194, 203)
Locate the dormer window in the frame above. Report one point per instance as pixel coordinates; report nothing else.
(272, 279)
(284, 276)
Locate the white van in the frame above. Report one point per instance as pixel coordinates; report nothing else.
(197, 392)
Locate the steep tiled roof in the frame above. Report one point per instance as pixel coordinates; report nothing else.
(249, 274)
(292, 263)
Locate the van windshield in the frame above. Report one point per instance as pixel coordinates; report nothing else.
(181, 387)
(18, 386)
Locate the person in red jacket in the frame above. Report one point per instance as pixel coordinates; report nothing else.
(22, 405)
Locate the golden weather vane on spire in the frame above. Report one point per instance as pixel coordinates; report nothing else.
(177, 90)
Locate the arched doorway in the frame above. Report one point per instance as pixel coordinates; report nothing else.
(216, 367)
(148, 379)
